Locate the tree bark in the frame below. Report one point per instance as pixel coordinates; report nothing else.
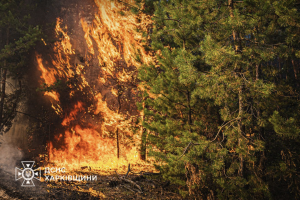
(257, 72)
(279, 69)
(190, 110)
(117, 132)
(118, 143)
(120, 92)
(295, 72)
(238, 48)
(143, 153)
(3, 84)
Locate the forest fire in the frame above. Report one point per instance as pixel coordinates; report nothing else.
(97, 134)
(139, 99)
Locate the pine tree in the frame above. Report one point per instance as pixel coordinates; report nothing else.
(176, 118)
(223, 68)
(17, 38)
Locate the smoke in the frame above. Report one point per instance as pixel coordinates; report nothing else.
(9, 156)
(17, 135)
(15, 139)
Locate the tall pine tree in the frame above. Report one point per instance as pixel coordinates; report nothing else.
(222, 102)
(17, 37)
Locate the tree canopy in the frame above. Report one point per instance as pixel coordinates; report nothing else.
(222, 100)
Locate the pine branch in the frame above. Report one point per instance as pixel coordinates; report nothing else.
(186, 148)
(191, 143)
(238, 118)
(178, 20)
(173, 101)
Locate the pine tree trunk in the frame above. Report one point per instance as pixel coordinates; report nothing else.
(189, 111)
(118, 144)
(257, 72)
(279, 68)
(119, 110)
(260, 129)
(295, 72)
(241, 112)
(3, 83)
(143, 155)
(237, 46)
(143, 137)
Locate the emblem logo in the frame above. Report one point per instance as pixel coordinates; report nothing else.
(28, 173)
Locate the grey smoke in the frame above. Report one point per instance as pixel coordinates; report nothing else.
(9, 156)
(16, 138)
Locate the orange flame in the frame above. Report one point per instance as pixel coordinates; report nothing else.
(48, 76)
(90, 131)
(115, 35)
(73, 114)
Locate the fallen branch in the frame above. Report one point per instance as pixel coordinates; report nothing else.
(133, 183)
(128, 188)
(132, 190)
(146, 173)
(129, 181)
(150, 173)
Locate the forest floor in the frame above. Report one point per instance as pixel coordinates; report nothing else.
(132, 186)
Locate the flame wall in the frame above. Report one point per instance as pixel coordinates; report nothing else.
(89, 63)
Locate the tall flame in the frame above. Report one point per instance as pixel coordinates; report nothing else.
(91, 129)
(48, 76)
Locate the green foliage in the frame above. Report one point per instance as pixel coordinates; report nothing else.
(17, 37)
(58, 85)
(285, 128)
(211, 102)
